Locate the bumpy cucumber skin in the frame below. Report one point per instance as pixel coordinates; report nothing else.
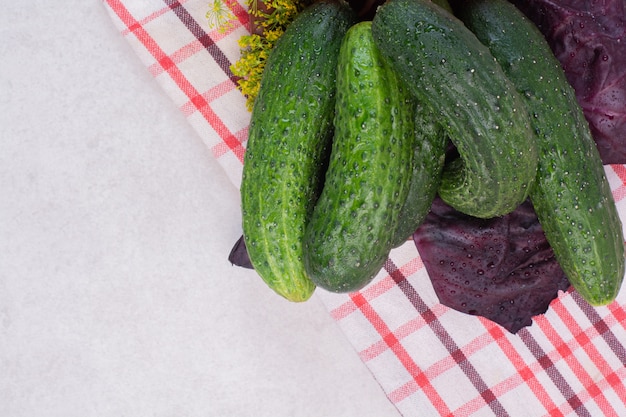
(350, 233)
(288, 145)
(572, 197)
(428, 160)
(448, 68)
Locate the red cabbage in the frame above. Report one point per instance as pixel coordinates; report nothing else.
(238, 255)
(589, 39)
(501, 268)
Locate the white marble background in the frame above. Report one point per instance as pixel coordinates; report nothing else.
(116, 297)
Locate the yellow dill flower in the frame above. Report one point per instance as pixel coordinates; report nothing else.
(273, 35)
(255, 48)
(219, 16)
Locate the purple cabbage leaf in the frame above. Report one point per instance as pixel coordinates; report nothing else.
(589, 40)
(238, 255)
(502, 269)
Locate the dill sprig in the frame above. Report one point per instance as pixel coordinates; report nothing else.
(270, 19)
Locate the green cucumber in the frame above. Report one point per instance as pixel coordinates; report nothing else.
(350, 233)
(428, 161)
(288, 144)
(572, 197)
(449, 69)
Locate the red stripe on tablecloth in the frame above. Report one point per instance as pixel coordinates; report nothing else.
(565, 351)
(524, 370)
(203, 37)
(620, 170)
(177, 57)
(150, 18)
(603, 325)
(584, 339)
(178, 77)
(191, 49)
(620, 192)
(550, 368)
(376, 289)
(208, 96)
(456, 353)
(617, 317)
(222, 148)
(400, 333)
(214, 93)
(396, 347)
(484, 396)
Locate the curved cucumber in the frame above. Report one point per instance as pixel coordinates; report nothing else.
(447, 68)
(350, 233)
(572, 197)
(288, 144)
(428, 161)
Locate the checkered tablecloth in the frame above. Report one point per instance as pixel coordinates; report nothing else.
(429, 359)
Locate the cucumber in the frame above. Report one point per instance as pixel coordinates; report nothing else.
(447, 68)
(349, 236)
(572, 197)
(288, 145)
(427, 164)
(428, 161)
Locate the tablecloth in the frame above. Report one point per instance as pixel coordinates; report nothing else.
(430, 360)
